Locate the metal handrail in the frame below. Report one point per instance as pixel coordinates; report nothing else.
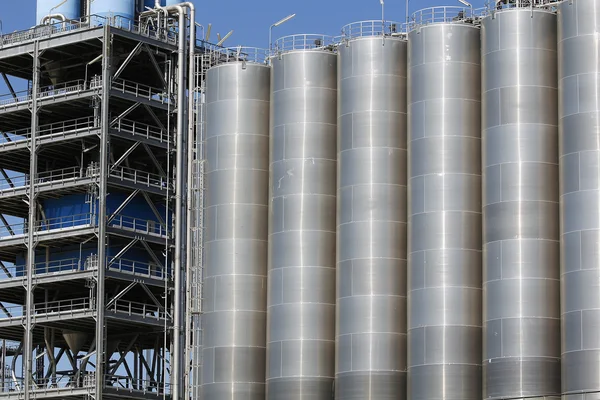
(140, 90)
(50, 91)
(307, 41)
(441, 15)
(141, 129)
(137, 268)
(498, 5)
(86, 123)
(95, 21)
(139, 225)
(372, 28)
(132, 308)
(248, 54)
(140, 177)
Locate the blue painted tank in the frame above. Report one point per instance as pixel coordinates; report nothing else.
(173, 2)
(122, 10)
(70, 9)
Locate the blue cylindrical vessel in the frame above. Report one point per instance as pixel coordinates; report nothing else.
(70, 9)
(173, 2)
(121, 10)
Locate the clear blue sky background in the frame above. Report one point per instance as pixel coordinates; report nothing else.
(250, 19)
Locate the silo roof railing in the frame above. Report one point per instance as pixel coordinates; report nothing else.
(373, 28)
(308, 41)
(249, 54)
(443, 15)
(498, 5)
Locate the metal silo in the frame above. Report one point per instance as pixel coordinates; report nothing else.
(521, 287)
(579, 88)
(302, 223)
(236, 233)
(444, 192)
(371, 232)
(121, 11)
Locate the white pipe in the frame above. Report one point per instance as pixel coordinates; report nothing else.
(50, 17)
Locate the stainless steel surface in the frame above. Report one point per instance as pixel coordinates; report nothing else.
(371, 233)
(235, 279)
(444, 229)
(579, 93)
(302, 226)
(521, 352)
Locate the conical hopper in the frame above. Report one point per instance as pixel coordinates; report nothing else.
(111, 346)
(75, 340)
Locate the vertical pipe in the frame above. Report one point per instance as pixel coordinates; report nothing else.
(103, 191)
(180, 209)
(444, 221)
(579, 124)
(28, 348)
(521, 288)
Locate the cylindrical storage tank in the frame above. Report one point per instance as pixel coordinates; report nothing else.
(236, 233)
(371, 231)
(122, 11)
(579, 116)
(444, 197)
(521, 286)
(302, 220)
(70, 9)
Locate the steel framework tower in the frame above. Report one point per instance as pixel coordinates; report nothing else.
(93, 211)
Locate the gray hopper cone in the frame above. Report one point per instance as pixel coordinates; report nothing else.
(75, 340)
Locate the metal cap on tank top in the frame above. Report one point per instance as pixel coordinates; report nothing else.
(445, 15)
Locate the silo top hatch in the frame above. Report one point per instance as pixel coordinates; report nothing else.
(374, 28)
(304, 42)
(444, 15)
(253, 55)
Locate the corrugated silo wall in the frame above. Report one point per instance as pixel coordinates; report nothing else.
(371, 244)
(236, 232)
(579, 76)
(302, 226)
(444, 218)
(520, 209)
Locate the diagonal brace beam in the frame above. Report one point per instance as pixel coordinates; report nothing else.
(130, 56)
(121, 294)
(125, 155)
(154, 117)
(7, 178)
(161, 171)
(5, 270)
(152, 296)
(156, 66)
(5, 310)
(9, 85)
(125, 113)
(123, 205)
(7, 225)
(154, 210)
(123, 354)
(123, 251)
(153, 255)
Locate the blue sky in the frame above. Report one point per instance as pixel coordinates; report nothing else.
(250, 19)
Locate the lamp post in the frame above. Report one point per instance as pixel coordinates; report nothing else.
(276, 24)
(466, 3)
(406, 2)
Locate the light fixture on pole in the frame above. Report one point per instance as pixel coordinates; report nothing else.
(466, 3)
(382, 11)
(276, 24)
(406, 2)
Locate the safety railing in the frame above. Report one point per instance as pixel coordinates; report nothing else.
(499, 5)
(62, 381)
(73, 174)
(141, 130)
(94, 21)
(63, 175)
(440, 15)
(138, 225)
(51, 91)
(137, 268)
(137, 385)
(43, 268)
(249, 54)
(46, 309)
(148, 227)
(139, 177)
(372, 28)
(49, 130)
(304, 42)
(141, 91)
(131, 308)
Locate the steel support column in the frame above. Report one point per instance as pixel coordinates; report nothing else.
(31, 222)
(104, 151)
